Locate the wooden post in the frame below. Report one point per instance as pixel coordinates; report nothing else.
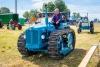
(88, 56)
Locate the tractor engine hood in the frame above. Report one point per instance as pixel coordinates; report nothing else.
(41, 28)
(33, 36)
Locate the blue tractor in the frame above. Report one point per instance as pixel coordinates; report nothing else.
(45, 38)
(84, 24)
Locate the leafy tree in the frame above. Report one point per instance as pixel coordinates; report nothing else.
(4, 10)
(57, 4)
(77, 15)
(26, 14)
(61, 5)
(32, 12)
(43, 7)
(74, 13)
(51, 6)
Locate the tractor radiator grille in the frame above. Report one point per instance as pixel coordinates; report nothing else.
(35, 37)
(32, 37)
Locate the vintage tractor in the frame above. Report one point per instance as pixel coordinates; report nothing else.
(84, 24)
(12, 24)
(45, 38)
(1, 23)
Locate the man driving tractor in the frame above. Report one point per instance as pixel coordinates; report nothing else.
(56, 19)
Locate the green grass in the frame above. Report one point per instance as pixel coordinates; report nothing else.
(10, 57)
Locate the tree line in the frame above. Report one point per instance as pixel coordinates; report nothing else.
(4, 10)
(60, 4)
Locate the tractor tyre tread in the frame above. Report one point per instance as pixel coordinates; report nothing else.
(21, 46)
(52, 43)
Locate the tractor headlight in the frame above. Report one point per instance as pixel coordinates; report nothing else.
(43, 36)
(24, 37)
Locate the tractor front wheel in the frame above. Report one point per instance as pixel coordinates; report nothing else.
(13, 27)
(8, 26)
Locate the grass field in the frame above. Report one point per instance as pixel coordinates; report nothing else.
(10, 57)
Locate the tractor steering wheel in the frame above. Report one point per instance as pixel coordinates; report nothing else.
(50, 23)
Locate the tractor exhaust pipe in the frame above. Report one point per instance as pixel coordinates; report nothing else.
(46, 15)
(87, 15)
(46, 18)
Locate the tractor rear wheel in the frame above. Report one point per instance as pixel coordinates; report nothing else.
(21, 46)
(19, 27)
(79, 30)
(1, 24)
(59, 40)
(79, 27)
(91, 24)
(92, 27)
(92, 30)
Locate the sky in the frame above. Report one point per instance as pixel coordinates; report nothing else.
(92, 7)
